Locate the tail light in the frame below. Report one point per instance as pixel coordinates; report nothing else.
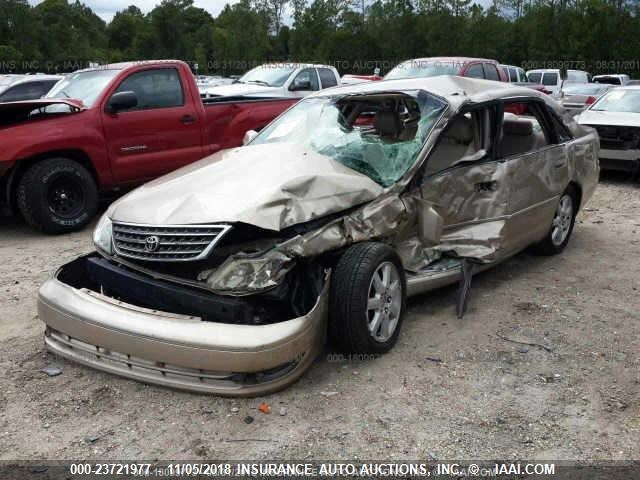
(590, 100)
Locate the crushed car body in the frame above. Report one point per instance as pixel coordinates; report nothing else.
(226, 276)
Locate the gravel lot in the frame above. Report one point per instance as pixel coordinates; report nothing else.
(450, 389)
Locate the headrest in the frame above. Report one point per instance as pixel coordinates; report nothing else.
(387, 123)
(461, 130)
(518, 127)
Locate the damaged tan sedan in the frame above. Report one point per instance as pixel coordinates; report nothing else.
(226, 276)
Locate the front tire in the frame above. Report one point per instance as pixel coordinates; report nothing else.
(367, 299)
(57, 195)
(561, 226)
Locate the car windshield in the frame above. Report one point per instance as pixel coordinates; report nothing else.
(423, 68)
(85, 86)
(268, 75)
(584, 89)
(378, 134)
(619, 101)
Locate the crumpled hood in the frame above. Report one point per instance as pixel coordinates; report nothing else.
(16, 112)
(239, 89)
(594, 117)
(272, 186)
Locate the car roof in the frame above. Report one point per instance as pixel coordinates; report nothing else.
(456, 90)
(124, 65)
(552, 70)
(36, 78)
(611, 75)
(450, 59)
(296, 65)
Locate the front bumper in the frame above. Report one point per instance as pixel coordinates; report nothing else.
(175, 350)
(623, 160)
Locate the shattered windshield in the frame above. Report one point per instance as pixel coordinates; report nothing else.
(378, 134)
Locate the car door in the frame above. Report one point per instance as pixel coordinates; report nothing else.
(465, 185)
(536, 159)
(159, 135)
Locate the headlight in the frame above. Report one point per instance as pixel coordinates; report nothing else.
(102, 235)
(248, 275)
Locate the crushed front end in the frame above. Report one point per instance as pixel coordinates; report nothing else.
(154, 322)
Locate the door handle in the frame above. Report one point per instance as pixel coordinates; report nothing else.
(188, 119)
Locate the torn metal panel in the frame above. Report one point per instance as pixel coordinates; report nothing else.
(241, 274)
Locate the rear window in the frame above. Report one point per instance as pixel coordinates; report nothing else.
(475, 71)
(550, 79)
(491, 72)
(608, 80)
(584, 89)
(534, 77)
(577, 77)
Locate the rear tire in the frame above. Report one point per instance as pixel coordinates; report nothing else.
(367, 299)
(57, 195)
(561, 226)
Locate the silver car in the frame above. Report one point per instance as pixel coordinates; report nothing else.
(226, 276)
(576, 97)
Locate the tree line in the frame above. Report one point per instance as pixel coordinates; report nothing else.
(601, 36)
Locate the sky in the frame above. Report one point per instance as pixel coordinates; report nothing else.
(106, 9)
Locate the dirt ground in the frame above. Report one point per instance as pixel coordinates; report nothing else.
(451, 389)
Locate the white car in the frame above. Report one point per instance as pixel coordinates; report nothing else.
(616, 117)
(613, 79)
(28, 87)
(514, 74)
(551, 78)
(293, 80)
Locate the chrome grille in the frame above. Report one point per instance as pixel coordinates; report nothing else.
(168, 243)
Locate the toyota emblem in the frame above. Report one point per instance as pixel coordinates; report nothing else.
(151, 243)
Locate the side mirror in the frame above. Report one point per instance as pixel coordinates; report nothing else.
(430, 224)
(122, 101)
(300, 85)
(249, 136)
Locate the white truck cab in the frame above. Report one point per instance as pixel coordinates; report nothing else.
(552, 79)
(293, 80)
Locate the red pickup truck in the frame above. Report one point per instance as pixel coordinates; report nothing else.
(110, 127)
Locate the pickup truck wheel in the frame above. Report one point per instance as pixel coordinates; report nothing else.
(367, 299)
(561, 226)
(57, 195)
